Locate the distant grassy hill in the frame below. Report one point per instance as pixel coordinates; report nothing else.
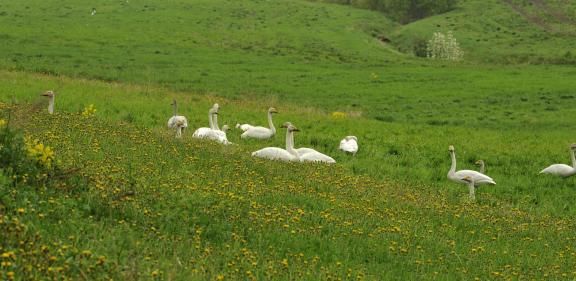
(502, 32)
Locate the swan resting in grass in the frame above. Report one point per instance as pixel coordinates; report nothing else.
(177, 122)
(219, 135)
(349, 144)
(276, 153)
(203, 132)
(262, 133)
(482, 166)
(467, 176)
(306, 154)
(243, 127)
(50, 95)
(562, 170)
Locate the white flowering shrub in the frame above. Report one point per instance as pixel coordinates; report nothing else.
(444, 47)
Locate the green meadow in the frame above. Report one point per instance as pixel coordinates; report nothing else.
(125, 200)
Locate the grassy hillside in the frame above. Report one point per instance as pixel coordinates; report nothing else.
(154, 207)
(130, 202)
(494, 31)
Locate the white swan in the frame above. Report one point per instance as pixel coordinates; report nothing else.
(243, 127)
(219, 135)
(276, 153)
(306, 154)
(50, 95)
(482, 168)
(257, 132)
(349, 144)
(203, 132)
(177, 122)
(459, 176)
(562, 170)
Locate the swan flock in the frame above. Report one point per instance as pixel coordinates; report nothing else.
(349, 144)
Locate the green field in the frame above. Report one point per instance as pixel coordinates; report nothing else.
(127, 201)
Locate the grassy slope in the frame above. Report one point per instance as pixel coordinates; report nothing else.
(491, 31)
(515, 117)
(202, 210)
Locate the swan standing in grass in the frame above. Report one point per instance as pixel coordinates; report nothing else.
(177, 122)
(306, 154)
(276, 153)
(482, 168)
(257, 132)
(562, 170)
(459, 176)
(349, 144)
(50, 95)
(471, 188)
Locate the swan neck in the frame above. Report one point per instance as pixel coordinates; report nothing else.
(482, 168)
(290, 143)
(175, 109)
(51, 105)
(215, 121)
(270, 123)
(573, 158)
(453, 167)
(210, 121)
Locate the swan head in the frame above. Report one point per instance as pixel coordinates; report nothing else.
(216, 107)
(213, 111)
(286, 125)
(237, 125)
(49, 94)
(291, 128)
(451, 148)
(173, 103)
(225, 128)
(272, 110)
(573, 146)
(479, 162)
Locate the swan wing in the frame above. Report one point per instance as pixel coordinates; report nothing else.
(478, 177)
(177, 119)
(274, 153)
(562, 170)
(244, 127)
(201, 132)
(317, 157)
(349, 146)
(257, 133)
(304, 150)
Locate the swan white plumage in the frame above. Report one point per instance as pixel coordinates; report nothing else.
(482, 168)
(257, 132)
(50, 95)
(467, 176)
(203, 132)
(349, 144)
(178, 122)
(219, 135)
(243, 127)
(276, 153)
(562, 170)
(306, 154)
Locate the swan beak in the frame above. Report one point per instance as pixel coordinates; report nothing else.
(296, 130)
(216, 113)
(273, 111)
